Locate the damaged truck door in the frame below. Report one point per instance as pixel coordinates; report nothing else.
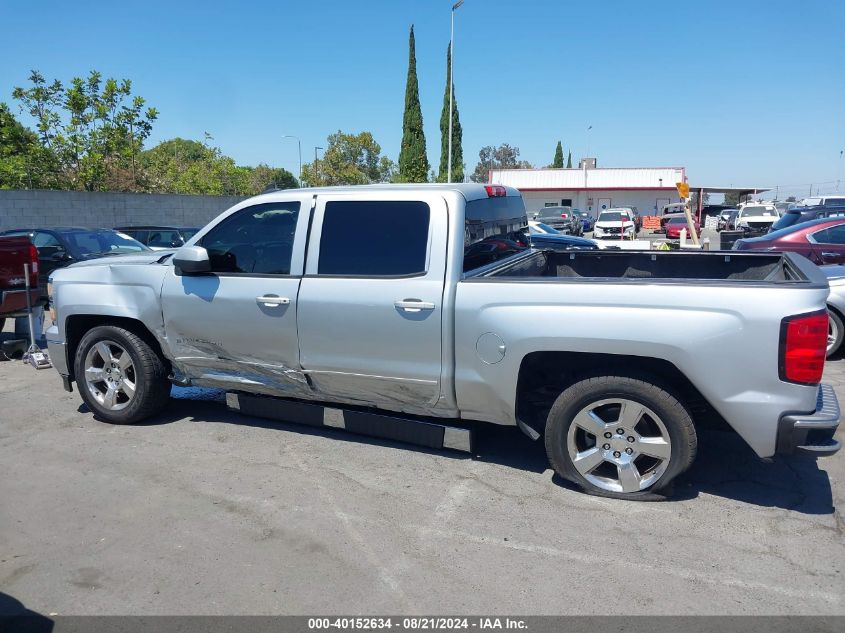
(370, 304)
(231, 322)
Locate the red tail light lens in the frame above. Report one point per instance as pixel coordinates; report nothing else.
(803, 344)
(33, 263)
(495, 191)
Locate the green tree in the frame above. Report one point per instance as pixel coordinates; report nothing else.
(95, 128)
(24, 162)
(194, 167)
(502, 157)
(349, 159)
(569, 160)
(457, 133)
(557, 163)
(413, 161)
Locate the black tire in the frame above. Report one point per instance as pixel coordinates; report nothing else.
(836, 331)
(674, 416)
(152, 387)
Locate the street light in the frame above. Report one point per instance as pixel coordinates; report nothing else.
(451, 84)
(299, 145)
(315, 164)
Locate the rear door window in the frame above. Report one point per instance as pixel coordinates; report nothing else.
(377, 238)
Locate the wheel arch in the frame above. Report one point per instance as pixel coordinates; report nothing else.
(77, 325)
(544, 375)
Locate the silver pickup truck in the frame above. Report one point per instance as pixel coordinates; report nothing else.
(412, 312)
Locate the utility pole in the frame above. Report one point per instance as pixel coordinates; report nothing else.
(451, 85)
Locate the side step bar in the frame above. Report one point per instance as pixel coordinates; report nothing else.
(411, 431)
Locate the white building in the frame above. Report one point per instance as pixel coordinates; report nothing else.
(594, 188)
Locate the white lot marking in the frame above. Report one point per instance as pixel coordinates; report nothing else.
(453, 500)
(591, 560)
(383, 573)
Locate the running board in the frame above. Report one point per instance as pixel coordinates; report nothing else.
(408, 430)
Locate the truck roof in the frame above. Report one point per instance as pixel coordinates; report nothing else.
(469, 190)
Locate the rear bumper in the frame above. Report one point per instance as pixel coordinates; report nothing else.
(13, 302)
(811, 433)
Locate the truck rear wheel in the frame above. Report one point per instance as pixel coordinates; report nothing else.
(835, 332)
(621, 437)
(120, 376)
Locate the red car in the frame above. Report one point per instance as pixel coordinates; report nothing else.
(821, 241)
(674, 226)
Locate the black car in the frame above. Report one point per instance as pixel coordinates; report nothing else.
(60, 247)
(561, 218)
(159, 237)
(543, 236)
(799, 215)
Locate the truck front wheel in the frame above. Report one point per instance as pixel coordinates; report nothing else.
(120, 376)
(617, 436)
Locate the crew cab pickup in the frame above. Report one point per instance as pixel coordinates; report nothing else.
(354, 307)
(15, 252)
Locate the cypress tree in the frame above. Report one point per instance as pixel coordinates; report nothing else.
(557, 163)
(413, 162)
(457, 135)
(569, 160)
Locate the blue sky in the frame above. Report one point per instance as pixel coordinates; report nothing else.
(741, 92)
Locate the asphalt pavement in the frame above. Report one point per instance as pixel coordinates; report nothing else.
(204, 511)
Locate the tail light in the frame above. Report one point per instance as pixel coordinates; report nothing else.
(495, 191)
(33, 265)
(803, 344)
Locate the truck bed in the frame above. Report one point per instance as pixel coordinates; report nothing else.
(656, 266)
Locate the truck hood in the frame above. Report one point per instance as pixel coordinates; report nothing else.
(147, 257)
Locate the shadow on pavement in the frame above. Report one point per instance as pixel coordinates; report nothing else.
(16, 617)
(725, 466)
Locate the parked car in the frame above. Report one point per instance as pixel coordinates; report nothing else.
(836, 200)
(805, 214)
(835, 307)
(490, 250)
(15, 252)
(60, 247)
(159, 237)
(756, 217)
(587, 220)
(561, 218)
(673, 210)
(635, 215)
(401, 337)
(727, 220)
(544, 236)
(675, 225)
(616, 223)
(821, 241)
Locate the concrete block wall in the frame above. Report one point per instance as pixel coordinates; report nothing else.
(32, 208)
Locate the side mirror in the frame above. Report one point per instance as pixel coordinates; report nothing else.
(191, 260)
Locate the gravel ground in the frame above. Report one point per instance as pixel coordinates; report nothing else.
(203, 511)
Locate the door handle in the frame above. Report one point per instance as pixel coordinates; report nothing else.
(413, 305)
(272, 300)
(828, 254)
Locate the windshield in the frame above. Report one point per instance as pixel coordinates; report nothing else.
(788, 219)
(188, 233)
(86, 243)
(764, 211)
(613, 216)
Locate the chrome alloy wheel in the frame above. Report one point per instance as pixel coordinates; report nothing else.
(619, 445)
(110, 375)
(832, 334)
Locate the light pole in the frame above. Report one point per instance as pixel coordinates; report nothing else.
(451, 84)
(299, 145)
(315, 164)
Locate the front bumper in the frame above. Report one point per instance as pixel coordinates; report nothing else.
(58, 354)
(811, 433)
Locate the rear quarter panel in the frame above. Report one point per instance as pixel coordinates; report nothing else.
(723, 337)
